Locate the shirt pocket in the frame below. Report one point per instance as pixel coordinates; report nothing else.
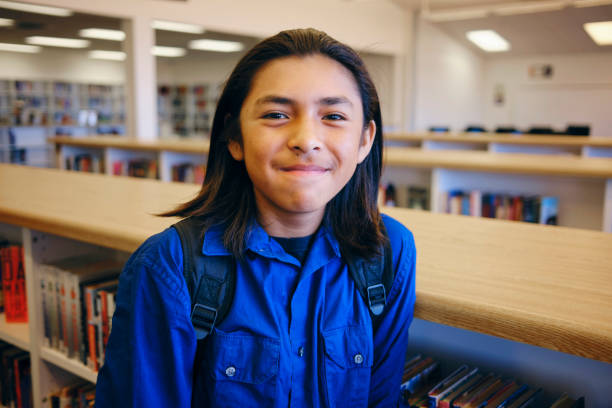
(347, 366)
(243, 370)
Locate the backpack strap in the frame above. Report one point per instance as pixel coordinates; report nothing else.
(373, 278)
(211, 280)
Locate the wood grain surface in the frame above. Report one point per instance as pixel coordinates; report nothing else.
(543, 285)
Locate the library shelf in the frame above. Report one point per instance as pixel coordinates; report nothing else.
(71, 365)
(542, 285)
(17, 334)
(501, 138)
(499, 162)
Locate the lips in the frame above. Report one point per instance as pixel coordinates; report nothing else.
(308, 168)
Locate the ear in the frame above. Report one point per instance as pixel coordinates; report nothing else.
(235, 150)
(367, 139)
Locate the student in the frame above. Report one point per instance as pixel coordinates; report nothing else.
(291, 184)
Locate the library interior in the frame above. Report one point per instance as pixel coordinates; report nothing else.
(497, 157)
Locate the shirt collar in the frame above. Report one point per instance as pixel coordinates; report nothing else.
(261, 243)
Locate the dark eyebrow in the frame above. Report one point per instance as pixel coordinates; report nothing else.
(282, 100)
(335, 100)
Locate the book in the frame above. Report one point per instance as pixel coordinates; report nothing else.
(470, 382)
(418, 198)
(93, 322)
(13, 284)
(447, 385)
(564, 401)
(549, 209)
(68, 274)
(471, 394)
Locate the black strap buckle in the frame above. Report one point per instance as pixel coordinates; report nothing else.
(203, 319)
(377, 298)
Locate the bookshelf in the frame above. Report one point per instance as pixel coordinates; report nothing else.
(32, 110)
(186, 111)
(548, 287)
(583, 184)
(585, 146)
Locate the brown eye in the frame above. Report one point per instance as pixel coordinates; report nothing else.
(275, 115)
(334, 116)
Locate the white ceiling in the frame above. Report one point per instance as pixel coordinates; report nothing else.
(536, 33)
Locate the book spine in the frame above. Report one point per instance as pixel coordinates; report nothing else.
(92, 359)
(104, 317)
(17, 383)
(45, 306)
(74, 317)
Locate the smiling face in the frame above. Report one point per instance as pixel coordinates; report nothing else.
(303, 135)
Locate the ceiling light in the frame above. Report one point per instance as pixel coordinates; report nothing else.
(160, 51)
(591, 3)
(488, 40)
(107, 55)
(102, 34)
(6, 22)
(454, 15)
(600, 32)
(180, 27)
(57, 42)
(216, 45)
(526, 8)
(31, 49)
(33, 8)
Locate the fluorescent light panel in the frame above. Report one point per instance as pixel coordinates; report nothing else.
(6, 22)
(591, 3)
(179, 27)
(107, 55)
(526, 8)
(30, 49)
(216, 45)
(102, 34)
(57, 42)
(488, 40)
(34, 8)
(160, 51)
(455, 15)
(600, 32)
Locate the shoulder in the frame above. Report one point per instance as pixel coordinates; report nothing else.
(160, 257)
(404, 254)
(401, 238)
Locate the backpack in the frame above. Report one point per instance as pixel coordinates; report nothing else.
(211, 280)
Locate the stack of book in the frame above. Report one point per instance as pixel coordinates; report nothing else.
(189, 173)
(78, 301)
(85, 162)
(424, 386)
(15, 378)
(536, 209)
(79, 395)
(13, 298)
(143, 168)
(414, 197)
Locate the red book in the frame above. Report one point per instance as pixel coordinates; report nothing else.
(104, 316)
(13, 284)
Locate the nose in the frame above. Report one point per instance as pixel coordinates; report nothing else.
(303, 137)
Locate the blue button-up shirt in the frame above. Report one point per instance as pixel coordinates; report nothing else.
(296, 335)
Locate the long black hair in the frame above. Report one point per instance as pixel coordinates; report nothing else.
(227, 196)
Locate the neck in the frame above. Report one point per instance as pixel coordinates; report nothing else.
(285, 224)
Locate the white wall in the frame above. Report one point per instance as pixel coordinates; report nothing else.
(448, 81)
(580, 91)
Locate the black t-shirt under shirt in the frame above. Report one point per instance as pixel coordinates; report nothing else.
(297, 247)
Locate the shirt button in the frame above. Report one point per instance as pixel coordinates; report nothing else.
(358, 358)
(301, 352)
(230, 371)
